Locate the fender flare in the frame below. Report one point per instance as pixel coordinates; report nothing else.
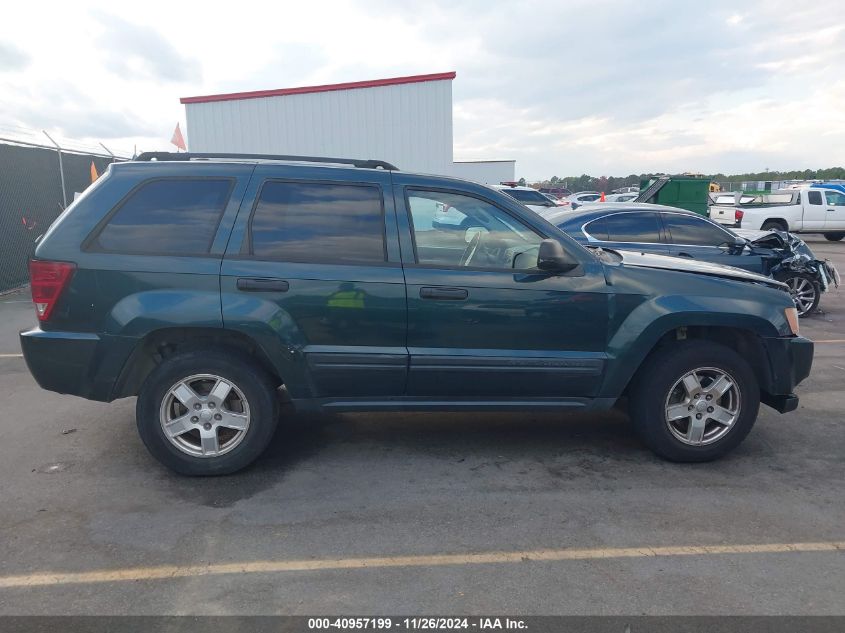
(630, 346)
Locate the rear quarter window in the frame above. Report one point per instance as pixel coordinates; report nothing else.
(528, 197)
(166, 217)
(597, 229)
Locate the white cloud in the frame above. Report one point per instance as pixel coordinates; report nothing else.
(138, 51)
(598, 87)
(12, 58)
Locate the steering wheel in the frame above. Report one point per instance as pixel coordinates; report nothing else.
(469, 251)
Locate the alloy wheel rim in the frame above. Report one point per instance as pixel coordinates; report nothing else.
(702, 406)
(204, 415)
(803, 293)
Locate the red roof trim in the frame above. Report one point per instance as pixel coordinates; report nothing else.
(352, 85)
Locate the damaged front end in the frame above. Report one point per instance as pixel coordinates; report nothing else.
(787, 258)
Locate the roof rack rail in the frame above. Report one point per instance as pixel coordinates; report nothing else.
(186, 156)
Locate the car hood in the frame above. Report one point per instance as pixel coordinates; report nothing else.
(687, 265)
(752, 235)
(779, 242)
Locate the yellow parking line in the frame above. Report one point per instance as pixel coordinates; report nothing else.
(276, 566)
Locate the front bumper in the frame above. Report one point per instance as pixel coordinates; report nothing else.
(76, 363)
(828, 275)
(790, 362)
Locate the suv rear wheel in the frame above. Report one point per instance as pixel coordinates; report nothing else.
(207, 413)
(833, 237)
(694, 401)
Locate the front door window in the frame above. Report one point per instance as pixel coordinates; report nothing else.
(458, 231)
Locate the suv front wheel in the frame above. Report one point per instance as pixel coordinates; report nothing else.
(207, 413)
(694, 401)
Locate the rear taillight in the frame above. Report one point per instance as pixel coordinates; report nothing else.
(48, 281)
(738, 213)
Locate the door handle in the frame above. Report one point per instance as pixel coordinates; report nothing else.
(262, 285)
(448, 294)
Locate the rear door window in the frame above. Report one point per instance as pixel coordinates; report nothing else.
(318, 222)
(633, 227)
(814, 197)
(167, 217)
(693, 231)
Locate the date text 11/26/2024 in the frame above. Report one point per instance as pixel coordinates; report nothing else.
(420, 623)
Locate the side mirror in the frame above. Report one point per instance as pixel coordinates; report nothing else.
(553, 258)
(736, 246)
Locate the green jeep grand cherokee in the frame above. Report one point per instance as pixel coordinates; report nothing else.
(202, 284)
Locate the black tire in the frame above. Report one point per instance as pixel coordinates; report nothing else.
(653, 384)
(256, 386)
(833, 237)
(774, 225)
(793, 279)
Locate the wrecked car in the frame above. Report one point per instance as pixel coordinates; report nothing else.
(676, 232)
(788, 258)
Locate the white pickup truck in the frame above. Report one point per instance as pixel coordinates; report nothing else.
(819, 208)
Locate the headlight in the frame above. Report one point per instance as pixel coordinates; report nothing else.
(791, 315)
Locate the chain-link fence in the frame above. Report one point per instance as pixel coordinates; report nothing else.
(770, 185)
(31, 197)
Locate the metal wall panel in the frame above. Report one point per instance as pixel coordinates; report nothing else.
(487, 172)
(409, 125)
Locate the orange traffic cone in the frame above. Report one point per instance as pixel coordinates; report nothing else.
(602, 199)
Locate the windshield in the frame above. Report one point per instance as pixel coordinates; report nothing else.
(526, 196)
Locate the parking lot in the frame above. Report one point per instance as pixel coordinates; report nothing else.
(436, 513)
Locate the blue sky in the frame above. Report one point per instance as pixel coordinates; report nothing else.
(606, 88)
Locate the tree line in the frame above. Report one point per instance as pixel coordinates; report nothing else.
(586, 182)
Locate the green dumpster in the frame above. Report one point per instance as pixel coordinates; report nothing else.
(685, 192)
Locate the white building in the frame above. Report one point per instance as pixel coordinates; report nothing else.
(406, 121)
